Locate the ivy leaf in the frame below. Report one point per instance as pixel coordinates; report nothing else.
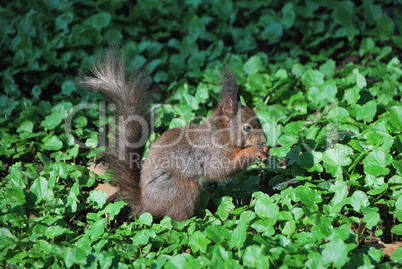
(225, 206)
(310, 160)
(397, 255)
(328, 68)
(254, 257)
(358, 200)
(395, 117)
(25, 126)
(375, 163)
(367, 112)
(312, 78)
(336, 158)
(239, 233)
(52, 120)
(96, 230)
(51, 142)
(397, 229)
(335, 253)
(253, 65)
(372, 219)
(98, 197)
(309, 197)
(265, 208)
(398, 208)
(142, 237)
(198, 242)
(40, 188)
(145, 219)
(99, 20)
(114, 208)
(218, 234)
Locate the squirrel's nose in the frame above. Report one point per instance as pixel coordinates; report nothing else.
(260, 140)
(263, 140)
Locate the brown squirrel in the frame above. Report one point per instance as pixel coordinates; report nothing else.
(168, 182)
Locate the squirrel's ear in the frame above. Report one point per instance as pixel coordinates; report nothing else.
(229, 93)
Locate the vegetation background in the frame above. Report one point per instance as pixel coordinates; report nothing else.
(325, 77)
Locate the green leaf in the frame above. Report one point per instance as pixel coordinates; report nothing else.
(63, 21)
(375, 163)
(272, 32)
(312, 78)
(240, 232)
(309, 197)
(52, 120)
(328, 68)
(358, 200)
(254, 257)
(397, 255)
(15, 196)
(289, 228)
(367, 112)
(335, 253)
(398, 209)
(68, 87)
(310, 160)
(40, 188)
(372, 13)
(352, 95)
(395, 117)
(360, 81)
(397, 229)
(366, 46)
(341, 192)
(218, 234)
(253, 65)
(198, 242)
(51, 142)
(75, 256)
(25, 126)
(264, 208)
(98, 197)
(225, 206)
(190, 101)
(322, 95)
(315, 260)
(145, 219)
(294, 127)
(196, 28)
(372, 219)
(36, 91)
(99, 20)
(92, 142)
(96, 230)
(288, 15)
(142, 237)
(114, 208)
(336, 158)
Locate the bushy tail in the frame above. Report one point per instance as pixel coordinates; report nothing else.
(131, 99)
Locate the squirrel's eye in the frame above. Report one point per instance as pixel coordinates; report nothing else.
(246, 128)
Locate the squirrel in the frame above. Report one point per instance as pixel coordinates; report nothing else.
(168, 181)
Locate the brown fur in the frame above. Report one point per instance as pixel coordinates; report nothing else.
(169, 183)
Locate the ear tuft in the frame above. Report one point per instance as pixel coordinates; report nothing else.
(229, 99)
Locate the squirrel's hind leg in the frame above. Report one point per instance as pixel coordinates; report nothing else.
(171, 196)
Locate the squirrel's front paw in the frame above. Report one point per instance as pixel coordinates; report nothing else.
(262, 154)
(259, 153)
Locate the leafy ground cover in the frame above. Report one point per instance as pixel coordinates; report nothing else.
(324, 76)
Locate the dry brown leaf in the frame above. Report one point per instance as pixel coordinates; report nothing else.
(98, 169)
(108, 188)
(389, 248)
